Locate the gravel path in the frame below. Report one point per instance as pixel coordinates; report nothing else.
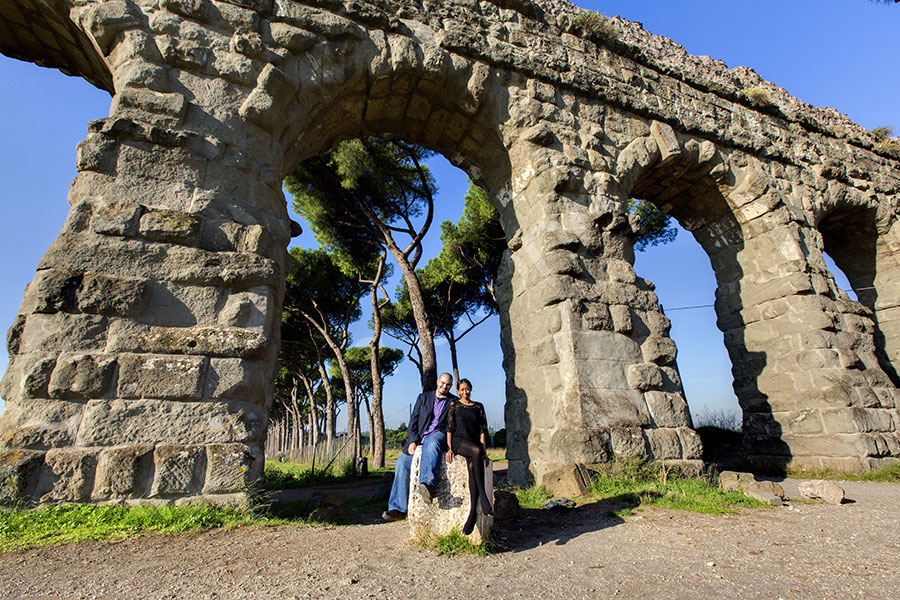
(802, 551)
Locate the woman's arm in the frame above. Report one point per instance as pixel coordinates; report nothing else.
(451, 423)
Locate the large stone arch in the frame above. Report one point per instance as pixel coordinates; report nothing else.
(142, 355)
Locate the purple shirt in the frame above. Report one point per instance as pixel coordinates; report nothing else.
(436, 416)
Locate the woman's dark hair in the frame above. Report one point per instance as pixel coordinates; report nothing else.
(464, 380)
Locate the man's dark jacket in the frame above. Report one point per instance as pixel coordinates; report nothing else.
(421, 416)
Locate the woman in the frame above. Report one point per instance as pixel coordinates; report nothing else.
(467, 436)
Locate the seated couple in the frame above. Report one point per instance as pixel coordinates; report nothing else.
(443, 425)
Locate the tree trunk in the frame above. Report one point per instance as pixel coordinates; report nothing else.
(329, 404)
(423, 322)
(417, 302)
(376, 415)
(451, 341)
(371, 427)
(348, 390)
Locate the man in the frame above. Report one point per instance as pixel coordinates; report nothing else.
(427, 428)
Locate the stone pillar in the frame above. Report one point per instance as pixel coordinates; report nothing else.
(449, 510)
(884, 298)
(142, 356)
(591, 371)
(806, 370)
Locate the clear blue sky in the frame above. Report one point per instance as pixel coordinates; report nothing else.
(839, 53)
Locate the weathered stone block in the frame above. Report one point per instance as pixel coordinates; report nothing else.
(570, 445)
(506, 505)
(628, 442)
(127, 336)
(659, 350)
(39, 424)
(179, 53)
(667, 140)
(568, 481)
(113, 422)
(54, 291)
(237, 379)
(105, 21)
(645, 376)
(197, 9)
(664, 443)
(293, 38)
(96, 152)
(261, 108)
(82, 375)
(768, 486)
(120, 296)
(621, 316)
(251, 308)
(668, 409)
(234, 67)
(735, 481)
(165, 377)
(32, 372)
(118, 217)
(123, 472)
(178, 470)
(691, 445)
(68, 475)
(231, 468)
(170, 226)
(611, 408)
(63, 332)
(827, 491)
(450, 509)
(763, 496)
(14, 334)
(19, 470)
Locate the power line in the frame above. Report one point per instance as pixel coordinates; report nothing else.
(664, 310)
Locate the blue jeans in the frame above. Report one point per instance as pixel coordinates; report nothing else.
(433, 448)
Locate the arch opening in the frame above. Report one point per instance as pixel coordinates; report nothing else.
(850, 237)
(475, 338)
(682, 190)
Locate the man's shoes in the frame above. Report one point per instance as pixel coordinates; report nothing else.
(427, 492)
(393, 515)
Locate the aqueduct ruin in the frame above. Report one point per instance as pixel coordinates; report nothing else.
(142, 355)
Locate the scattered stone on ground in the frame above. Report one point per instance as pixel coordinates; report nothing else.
(818, 489)
(506, 505)
(569, 480)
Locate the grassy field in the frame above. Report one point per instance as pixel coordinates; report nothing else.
(68, 523)
(632, 483)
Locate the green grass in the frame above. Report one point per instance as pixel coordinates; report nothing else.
(759, 96)
(634, 483)
(640, 483)
(595, 23)
(455, 543)
(888, 474)
(281, 475)
(532, 497)
(76, 522)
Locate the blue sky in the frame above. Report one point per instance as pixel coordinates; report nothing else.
(839, 53)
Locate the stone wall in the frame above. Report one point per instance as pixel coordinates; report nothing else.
(142, 355)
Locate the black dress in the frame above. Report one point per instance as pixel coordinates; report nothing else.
(466, 423)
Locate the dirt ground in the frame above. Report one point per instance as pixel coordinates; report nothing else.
(799, 551)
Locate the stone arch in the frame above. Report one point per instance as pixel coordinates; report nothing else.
(142, 355)
(773, 284)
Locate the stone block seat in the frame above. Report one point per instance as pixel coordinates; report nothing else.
(450, 509)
